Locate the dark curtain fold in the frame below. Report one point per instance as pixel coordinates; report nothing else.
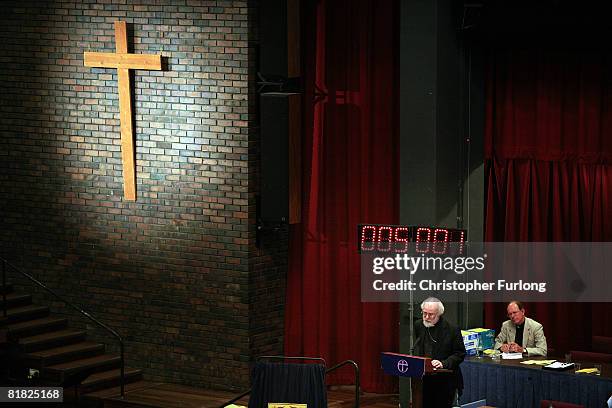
(350, 177)
(548, 150)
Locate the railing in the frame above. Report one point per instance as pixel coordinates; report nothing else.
(346, 362)
(357, 385)
(6, 265)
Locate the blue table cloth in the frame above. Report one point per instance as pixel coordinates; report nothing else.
(511, 385)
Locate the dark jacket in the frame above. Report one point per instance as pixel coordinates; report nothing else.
(448, 348)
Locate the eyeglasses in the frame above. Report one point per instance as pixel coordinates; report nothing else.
(425, 314)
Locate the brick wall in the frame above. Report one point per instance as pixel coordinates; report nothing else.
(267, 292)
(176, 272)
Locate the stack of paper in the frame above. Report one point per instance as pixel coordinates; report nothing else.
(588, 371)
(559, 366)
(538, 362)
(512, 356)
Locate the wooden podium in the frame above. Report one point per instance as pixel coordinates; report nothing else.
(415, 367)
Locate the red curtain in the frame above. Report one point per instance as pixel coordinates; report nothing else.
(548, 150)
(350, 177)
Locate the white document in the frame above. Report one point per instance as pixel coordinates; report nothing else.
(560, 365)
(512, 356)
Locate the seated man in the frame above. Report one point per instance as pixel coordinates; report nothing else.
(521, 334)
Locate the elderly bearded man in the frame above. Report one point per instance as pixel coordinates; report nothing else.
(442, 342)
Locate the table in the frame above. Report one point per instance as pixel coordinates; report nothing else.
(509, 384)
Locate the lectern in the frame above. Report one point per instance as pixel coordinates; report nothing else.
(415, 367)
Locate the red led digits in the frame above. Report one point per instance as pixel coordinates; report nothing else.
(396, 238)
(402, 235)
(440, 241)
(385, 234)
(383, 238)
(368, 235)
(423, 238)
(461, 241)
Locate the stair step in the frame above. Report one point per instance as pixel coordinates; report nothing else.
(62, 354)
(110, 378)
(114, 392)
(16, 299)
(29, 312)
(50, 339)
(36, 326)
(62, 372)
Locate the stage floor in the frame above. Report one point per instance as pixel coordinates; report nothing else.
(161, 395)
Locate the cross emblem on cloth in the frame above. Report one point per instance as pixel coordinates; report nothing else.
(122, 61)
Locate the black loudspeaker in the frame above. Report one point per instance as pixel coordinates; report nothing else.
(279, 38)
(281, 164)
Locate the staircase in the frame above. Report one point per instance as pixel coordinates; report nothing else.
(33, 339)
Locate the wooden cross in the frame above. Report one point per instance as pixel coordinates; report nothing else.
(123, 62)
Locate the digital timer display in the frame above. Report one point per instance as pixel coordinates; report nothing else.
(397, 238)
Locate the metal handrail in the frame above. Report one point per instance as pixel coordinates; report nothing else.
(357, 385)
(353, 363)
(6, 264)
(230, 402)
(291, 358)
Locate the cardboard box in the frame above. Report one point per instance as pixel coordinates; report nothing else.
(286, 405)
(486, 337)
(470, 341)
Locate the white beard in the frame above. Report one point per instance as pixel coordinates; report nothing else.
(427, 324)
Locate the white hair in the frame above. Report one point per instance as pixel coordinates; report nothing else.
(437, 302)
